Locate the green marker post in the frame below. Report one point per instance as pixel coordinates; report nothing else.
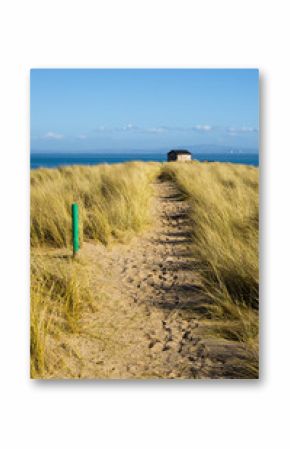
(75, 228)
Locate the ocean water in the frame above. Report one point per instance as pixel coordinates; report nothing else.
(51, 160)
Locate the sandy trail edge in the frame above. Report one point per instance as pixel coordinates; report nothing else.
(156, 293)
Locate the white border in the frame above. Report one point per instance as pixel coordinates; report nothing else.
(207, 34)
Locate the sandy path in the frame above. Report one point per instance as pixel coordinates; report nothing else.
(153, 285)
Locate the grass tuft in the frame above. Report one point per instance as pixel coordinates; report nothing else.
(113, 202)
(67, 314)
(224, 214)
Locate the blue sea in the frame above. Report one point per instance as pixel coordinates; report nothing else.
(51, 160)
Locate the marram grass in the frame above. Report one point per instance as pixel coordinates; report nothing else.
(113, 202)
(65, 312)
(224, 218)
(114, 206)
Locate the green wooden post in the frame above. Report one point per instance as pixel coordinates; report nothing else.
(75, 228)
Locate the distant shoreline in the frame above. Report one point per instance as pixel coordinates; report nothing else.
(53, 160)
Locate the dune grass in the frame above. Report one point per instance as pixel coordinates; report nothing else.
(113, 202)
(224, 218)
(114, 206)
(77, 331)
(68, 315)
(59, 298)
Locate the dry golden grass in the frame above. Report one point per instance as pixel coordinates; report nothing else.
(113, 202)
(225, 230)
(75, 328)
(71, 318)
(59, 298)
(65, 311)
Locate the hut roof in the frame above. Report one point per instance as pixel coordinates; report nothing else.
(179, 152)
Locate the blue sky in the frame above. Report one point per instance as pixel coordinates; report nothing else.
(113, 110)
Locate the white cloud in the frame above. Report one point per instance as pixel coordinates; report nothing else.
(52, 136)
(157, 130)
(248, 129)
(202, 127)
(82, 136)
(125, 128)
(232, 131)
(130, 127)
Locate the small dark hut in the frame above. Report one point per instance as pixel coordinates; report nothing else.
(179, 155)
